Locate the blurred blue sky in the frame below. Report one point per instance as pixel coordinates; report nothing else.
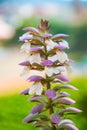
(66, 2)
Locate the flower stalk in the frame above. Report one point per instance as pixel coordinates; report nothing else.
(45, 66)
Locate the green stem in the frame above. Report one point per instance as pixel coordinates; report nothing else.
(51, 110)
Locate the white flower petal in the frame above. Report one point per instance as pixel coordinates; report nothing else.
(62, 56)
(50, 44)
(49, 71)
(35, 58)
(68, 68)
(25, 47)
(59, 69)
(36, 88)
(28, 72)
(64, 43)
(53, 58)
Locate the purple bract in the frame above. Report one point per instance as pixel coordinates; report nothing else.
(25, 92)
(62, 78)
(34, 78)
(34, 49)
(37, 109)
(66, 100)
(47, 63)
(48, 35)
(24, 63)
(55, 118)
(50, 93)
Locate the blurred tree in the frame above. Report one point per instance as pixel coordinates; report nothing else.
(80, 39)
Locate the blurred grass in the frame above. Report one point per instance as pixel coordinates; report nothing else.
(13, 108)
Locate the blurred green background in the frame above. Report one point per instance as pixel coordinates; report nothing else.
(65, 16)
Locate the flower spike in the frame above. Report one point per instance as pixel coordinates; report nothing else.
(45, 67)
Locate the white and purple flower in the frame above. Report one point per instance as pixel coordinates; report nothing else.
(45, 66)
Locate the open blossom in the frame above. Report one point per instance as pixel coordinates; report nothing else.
(53, 58)
(62, 56)
(64, 44)
(53, 70)
(36, 88)
(61, 45)
(34, 58)
(45, 66)
(25, 47)
(50, 44)
(27, 72)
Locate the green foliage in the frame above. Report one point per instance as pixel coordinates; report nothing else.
(80, 96)
(80, 39)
